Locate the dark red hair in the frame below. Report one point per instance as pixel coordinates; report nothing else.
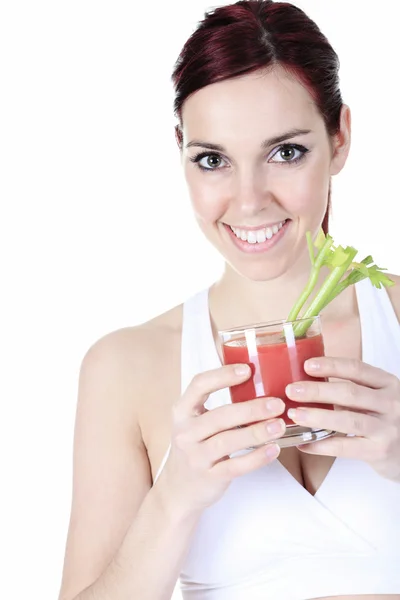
(249, 35)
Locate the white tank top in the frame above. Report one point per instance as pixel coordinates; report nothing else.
(268, 538)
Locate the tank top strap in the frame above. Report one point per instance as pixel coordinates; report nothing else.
(195, 332)
(198, 352)
(380, 328)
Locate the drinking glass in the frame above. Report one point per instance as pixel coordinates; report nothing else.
(276, 357)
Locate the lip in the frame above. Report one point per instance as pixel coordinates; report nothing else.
(258, 248)
(270, 225)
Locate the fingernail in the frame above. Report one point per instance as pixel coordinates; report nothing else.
(242, 370)
(275, 426)
(274, 404)
(294, 389)
(297, 414)
(272, 450)
(312, 365)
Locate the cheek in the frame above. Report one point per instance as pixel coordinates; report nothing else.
(311, 190)
(208, 198)
(313, 194)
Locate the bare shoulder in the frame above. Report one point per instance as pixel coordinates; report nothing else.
(130, 355)
(394, 294)
(133, 340)
(137, 342)
(141, 365)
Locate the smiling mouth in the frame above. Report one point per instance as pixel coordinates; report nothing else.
(257, 236)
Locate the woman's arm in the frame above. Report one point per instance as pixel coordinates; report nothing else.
(124, 541)
(149, 560)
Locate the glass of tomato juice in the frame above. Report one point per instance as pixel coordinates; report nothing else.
(276, 358)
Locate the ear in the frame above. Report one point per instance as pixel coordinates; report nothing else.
(341, 141)
(179, 136)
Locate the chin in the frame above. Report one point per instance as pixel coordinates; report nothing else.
(261, 272)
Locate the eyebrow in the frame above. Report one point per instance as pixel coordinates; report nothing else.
(265, 144)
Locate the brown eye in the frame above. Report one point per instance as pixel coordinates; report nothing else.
(208, 162)
(287, 153)
(213, 160)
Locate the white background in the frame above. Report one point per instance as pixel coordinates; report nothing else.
(96, 231)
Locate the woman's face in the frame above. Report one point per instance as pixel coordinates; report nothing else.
(258, 160)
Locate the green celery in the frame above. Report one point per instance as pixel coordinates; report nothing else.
(325, 294)
(339, 260)
(317, 264)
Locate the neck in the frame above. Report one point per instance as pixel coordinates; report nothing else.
(259, 301)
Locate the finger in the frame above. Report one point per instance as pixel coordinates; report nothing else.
(240, 465)
(356, 448)
(348, 368)
(226, 443)
(345, 421)
(341, 393)
(230, 416)
(203, 384)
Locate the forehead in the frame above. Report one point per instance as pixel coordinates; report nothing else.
(269, 102)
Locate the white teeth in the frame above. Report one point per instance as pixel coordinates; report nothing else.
(261, 235)
(269, 233)
(257, 236)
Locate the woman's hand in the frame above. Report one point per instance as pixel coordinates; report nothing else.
(367, 405)
(199, 468)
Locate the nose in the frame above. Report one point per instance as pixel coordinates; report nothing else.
(251, 194)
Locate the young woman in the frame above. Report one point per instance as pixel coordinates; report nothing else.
(165, 487)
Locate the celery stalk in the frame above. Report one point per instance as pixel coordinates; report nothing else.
(325, 294)
(317, 264)
(351, 279)
(340, 261)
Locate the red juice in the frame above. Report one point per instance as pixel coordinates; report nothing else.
(274, 365)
